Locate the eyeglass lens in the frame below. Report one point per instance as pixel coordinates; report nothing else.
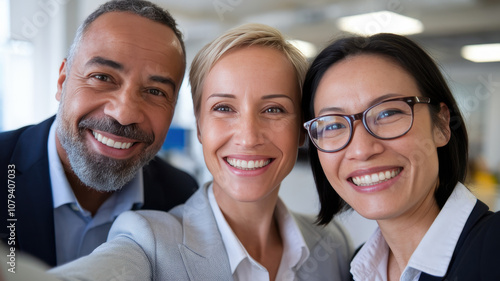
(385, 121)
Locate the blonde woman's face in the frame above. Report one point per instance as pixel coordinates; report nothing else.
(249, 123)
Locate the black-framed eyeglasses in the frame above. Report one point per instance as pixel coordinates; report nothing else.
(386, 120)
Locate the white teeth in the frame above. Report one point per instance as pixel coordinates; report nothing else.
(111, 143)
(375, 178)
(247, 165)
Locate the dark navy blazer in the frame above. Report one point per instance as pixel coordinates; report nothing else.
(26, 148)
(477, 254)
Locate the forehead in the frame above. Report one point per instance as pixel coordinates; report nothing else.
(127, 24)
(258, 68)
(124, 33)
(362, 78)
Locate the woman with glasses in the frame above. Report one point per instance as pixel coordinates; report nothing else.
(246, 89)
(388, 140)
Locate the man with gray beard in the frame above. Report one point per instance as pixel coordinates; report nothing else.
(74, 173)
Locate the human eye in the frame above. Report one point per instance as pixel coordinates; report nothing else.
(222, 108)
(334, 126)
(101, 77)
(156, 92)
(390, 115)
(274, 110)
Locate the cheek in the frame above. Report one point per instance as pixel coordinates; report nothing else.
(80, 101)
(283, 126)
(71, 111)
(212, 140)
(330, 162)
(160, 121)
(286, 136)
(211, 134)
(423, 158)
(418, 146)
(287, 130)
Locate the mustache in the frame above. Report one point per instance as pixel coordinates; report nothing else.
(110, 125)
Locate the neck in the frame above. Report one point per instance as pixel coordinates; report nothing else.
(403, 235)
(256, 228)
(89, 198)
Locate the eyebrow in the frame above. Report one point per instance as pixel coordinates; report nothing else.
(374, 101)
(118, 66)
(105, 62)
(164, 80)
(222, 95)
(276, 96)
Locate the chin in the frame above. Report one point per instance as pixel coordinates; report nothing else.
(375, 212)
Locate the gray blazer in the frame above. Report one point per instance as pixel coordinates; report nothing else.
(185, 244)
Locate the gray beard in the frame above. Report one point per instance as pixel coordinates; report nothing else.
(97, 171)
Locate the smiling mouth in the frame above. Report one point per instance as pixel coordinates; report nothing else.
(247, 165)
(110, 142)
(375, 178)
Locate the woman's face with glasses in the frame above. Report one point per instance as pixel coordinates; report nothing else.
(382, 157)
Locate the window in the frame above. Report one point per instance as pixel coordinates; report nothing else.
(16, 76)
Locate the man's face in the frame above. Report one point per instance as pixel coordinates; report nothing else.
(118, 98)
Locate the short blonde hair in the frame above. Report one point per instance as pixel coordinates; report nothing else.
(245, 35)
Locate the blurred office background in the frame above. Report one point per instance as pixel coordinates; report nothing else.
(35, 36)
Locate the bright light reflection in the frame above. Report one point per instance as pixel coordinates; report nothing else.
(377, 22)
(308, 49)
(482, 53)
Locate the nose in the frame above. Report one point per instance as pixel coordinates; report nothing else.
(249, 131)
(126, 106)
(363, 145)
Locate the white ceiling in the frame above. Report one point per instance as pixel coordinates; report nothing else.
(448, 24)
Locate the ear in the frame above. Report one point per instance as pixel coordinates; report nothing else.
(442, 131)
(62, 78)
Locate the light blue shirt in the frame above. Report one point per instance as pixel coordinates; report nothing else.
(77, 233)
(246, 268)
(432, 255)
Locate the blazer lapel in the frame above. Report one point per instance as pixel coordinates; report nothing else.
(203, 251)
(35, 217)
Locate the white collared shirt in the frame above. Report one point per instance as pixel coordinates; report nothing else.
(432, 255)
(77, 233)
(243, 266)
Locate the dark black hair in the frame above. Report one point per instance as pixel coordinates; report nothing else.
(431, 83)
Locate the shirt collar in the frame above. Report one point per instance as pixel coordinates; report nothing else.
(130, 195)
(295, 250)
(434, 252)
(370, 263)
